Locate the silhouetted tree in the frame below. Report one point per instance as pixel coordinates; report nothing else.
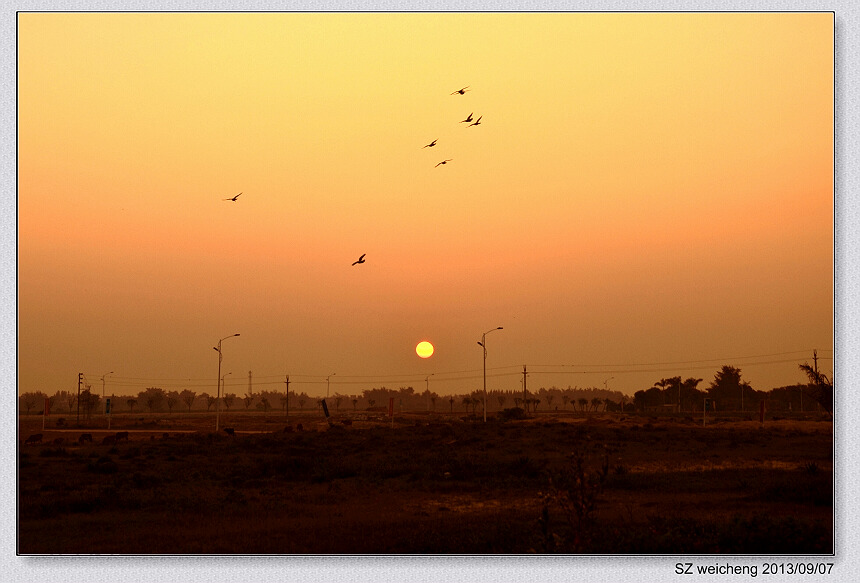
(727, 385)
(595, 403)
(583, 403)
(153, 397)
(820, 388)
(172, 400)
(29, 400)
(354, 404)
(188, 397)
(565, 399)
(89, 402)
(131, 403)
(228, 399)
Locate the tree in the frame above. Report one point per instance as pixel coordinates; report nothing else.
(248, 399)
(63, 397)
(89, 402)
(727, 385)
(30, 400)
(131, 403)
(206, 399)
(354, 403)
(337, 399)
(172, 400)
(188, 397)
(228, 399)
(153, 397)
(451, 401)
(466, 402)
(595, 403)
(502, 400)
(264, 404)
(302, 401)
(583, 403)
(821, 387)
(565, 399)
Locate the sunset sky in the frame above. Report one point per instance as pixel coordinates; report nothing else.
(647, 195)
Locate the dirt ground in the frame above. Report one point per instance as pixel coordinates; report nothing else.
(438, 484)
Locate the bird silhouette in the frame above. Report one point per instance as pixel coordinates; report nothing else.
(431, 144)
(476, 122)
(233, 198)
(443, 162)
(360, 259)
(461, 91)
(468, 118)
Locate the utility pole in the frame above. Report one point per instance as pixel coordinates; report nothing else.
(525, 393)
(80, 380)
(250, 390)
(288, 395)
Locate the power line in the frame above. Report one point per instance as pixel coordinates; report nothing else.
(471, 374)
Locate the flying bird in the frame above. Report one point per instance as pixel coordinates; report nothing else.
(476, 122)
(233, 198)
(468, 118)
(443, 162)
(461, 91)
(360, 259)
(431, 144)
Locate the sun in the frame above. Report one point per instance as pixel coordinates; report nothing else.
(424, 349)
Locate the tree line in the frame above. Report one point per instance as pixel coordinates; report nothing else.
(728, 390)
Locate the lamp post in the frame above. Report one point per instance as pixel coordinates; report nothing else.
(218, 381)
(328, 383)
(483, 344)
(103, 383)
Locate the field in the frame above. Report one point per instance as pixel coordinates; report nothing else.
(552, 483)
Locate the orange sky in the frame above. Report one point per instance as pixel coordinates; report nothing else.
(643, 188)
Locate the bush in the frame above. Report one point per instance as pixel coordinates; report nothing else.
(512, 414)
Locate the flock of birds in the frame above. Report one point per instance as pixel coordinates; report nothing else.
(470, 120)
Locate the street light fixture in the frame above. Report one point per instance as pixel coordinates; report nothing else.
(483, 344)
(218, 381)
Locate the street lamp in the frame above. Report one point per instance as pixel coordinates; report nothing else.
(218, 381)
(483, 344)
(605, 386)
(103, 383)
(328, 383)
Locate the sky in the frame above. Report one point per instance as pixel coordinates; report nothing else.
(647, 195)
